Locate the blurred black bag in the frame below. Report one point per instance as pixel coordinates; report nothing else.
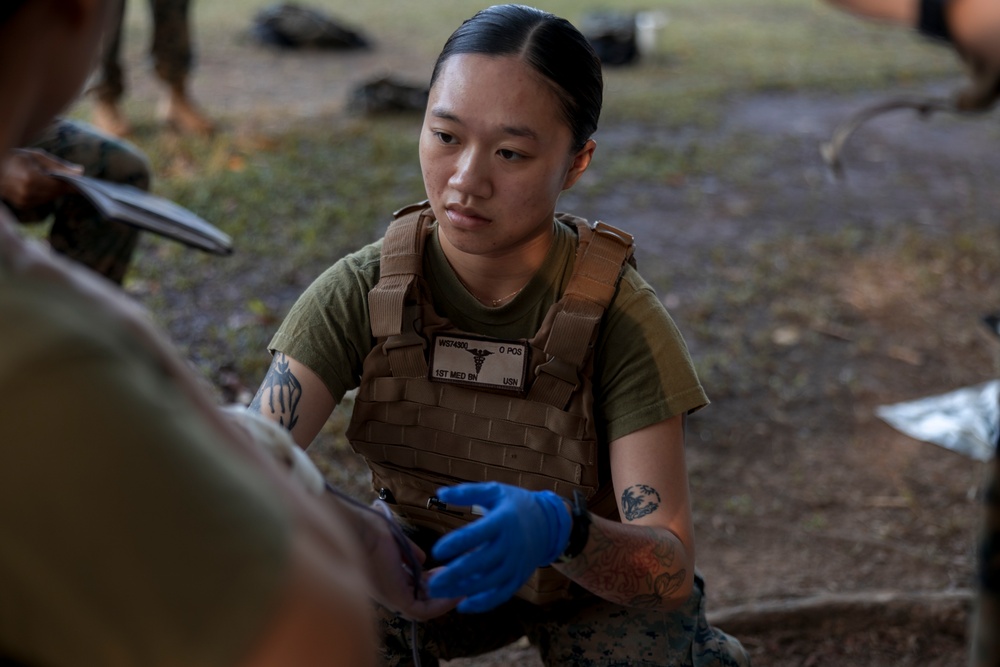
(387, 95)
(612, 34)
(289, 25)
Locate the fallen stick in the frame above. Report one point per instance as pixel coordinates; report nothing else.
(946, 611)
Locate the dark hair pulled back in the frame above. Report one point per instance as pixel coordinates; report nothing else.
(551, 45)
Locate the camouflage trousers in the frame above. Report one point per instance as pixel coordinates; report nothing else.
(985, 650)
(77, 231)
(584, 632)
(171, 48)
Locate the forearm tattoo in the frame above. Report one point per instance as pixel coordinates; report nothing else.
(665, 584)
(639, 500)
(282, 390)
(633, 568)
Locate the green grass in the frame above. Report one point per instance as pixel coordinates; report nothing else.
(292, 203)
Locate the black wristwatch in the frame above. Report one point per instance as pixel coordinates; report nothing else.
(580, 531)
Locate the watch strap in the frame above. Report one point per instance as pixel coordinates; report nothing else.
(580, 531)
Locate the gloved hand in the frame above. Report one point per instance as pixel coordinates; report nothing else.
(493, 556)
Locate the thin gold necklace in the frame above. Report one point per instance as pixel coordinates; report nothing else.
(493, 303)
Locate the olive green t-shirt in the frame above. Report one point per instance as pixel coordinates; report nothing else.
(129, 535)
(642, 372)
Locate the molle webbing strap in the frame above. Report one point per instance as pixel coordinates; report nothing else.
(601, 255)
(402, 264)
(467, 434)
(401, 268)
(416, 460)
(493, 409)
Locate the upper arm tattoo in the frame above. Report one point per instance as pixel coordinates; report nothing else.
(639, 500)
(282, 390)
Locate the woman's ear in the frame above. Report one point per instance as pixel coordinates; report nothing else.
(581, 160)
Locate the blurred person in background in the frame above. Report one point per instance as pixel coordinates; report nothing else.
(78, 232)
(172, 55)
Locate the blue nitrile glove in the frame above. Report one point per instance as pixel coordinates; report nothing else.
(494, 555)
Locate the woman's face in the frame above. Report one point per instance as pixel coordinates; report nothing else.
(495, 153)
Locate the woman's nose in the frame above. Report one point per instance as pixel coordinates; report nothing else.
(471, 175)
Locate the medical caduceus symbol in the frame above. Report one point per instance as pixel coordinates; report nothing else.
(479, 356)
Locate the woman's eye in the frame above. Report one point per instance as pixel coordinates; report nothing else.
(445, 138)
(508, 154)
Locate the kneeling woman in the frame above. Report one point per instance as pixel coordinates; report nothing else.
(522, 388)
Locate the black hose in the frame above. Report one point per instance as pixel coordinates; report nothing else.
(403, 542)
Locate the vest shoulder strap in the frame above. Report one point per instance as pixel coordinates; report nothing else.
(401, 265)
(601, 256)
(602, 253)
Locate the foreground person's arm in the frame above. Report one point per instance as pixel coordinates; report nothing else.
(318, 620)
(143, 529)
(293, 397)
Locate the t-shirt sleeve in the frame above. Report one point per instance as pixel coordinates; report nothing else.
(328, 328)
(130, 535)
(645, 374)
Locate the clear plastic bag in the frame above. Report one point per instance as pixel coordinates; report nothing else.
(966, 420)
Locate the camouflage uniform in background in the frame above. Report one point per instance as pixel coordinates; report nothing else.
(171, 49)
(77, 231)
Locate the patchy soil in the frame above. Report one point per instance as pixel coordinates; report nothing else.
(800, 492)
(798, 489)
(809, 302)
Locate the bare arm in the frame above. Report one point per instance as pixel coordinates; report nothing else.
(903, 12)
(974, 24)
(389, 572)
(25, 183)
(322, 617)
(294, 397)
(648, 559)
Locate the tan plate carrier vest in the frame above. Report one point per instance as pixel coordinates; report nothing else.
(418, 435)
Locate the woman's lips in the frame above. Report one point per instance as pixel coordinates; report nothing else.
(466, 217)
